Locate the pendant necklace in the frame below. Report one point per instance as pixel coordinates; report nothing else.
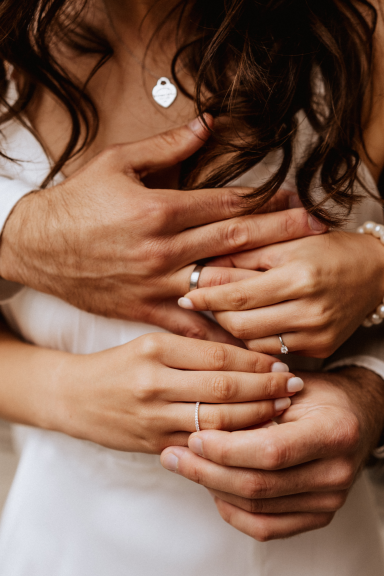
(164, 92)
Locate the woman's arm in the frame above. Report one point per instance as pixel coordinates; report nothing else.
(30, 381)
(141, 396)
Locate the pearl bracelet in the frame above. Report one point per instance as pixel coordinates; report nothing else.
(377, 230)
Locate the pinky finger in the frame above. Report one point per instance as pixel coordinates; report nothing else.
(265, 527)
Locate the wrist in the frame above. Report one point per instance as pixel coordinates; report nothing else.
(365, 392)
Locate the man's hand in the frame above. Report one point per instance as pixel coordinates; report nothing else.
(282, 480)
(107, 244)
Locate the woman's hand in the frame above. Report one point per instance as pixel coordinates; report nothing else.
(141, 396)
(282, 480)
(315, 291)
(105, 243)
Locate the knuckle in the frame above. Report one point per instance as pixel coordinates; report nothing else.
(271, 386)
(289, 224)
(146, 391)
(324, 346)
(257, 506)
(262, 532)
(239, 298)
(254, 486)
(237, 326)
(109, 155)
(337, 500)
(217, 356)
(275, 455)
(238, 234)
(223, 388)
(196, 331)
(347, 434)
(156, 255)
(170, 139)
(344, 475)
(322, 520)
(151, 345)
(307, 277)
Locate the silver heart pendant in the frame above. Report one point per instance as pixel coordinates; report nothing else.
(164, 93)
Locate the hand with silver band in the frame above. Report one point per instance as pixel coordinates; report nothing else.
(175, 386)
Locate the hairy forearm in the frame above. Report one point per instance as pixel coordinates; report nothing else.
(29, 381)
(365, 389)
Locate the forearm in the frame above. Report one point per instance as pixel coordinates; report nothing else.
(365, 391)
(29, 382)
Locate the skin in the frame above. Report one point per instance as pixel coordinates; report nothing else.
(133, 258)
(127, 118)
(146, 402)
(279, 481)
(299, 295)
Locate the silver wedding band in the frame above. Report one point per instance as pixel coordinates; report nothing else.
(284, 348)
(197, 425)
(195, 277)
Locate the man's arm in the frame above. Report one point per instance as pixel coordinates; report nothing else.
(282, 480)
(103, 242)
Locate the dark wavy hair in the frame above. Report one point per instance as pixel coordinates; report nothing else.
(256, 64)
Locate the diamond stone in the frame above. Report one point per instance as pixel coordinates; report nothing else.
(284, 349)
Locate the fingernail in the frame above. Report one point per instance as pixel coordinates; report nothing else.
(282, 404)
(294, 201)
(295, 384)
(315, 224)
(185, 303)
(196, 125)
(170, 462)
(279, 367)
(196, 445)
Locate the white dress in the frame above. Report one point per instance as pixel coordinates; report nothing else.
(78, 509)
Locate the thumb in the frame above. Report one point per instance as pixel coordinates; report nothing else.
(168, 148)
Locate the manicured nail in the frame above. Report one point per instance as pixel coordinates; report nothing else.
(315, 224)
(279, 367)
(196, 125)
(170, 462)
(295, 384)
(282, 404)
(196, 445)
(185, 303)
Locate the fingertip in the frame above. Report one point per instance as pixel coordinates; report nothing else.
(186, 303)
(316, 225)
(201, 126)
(279, 367)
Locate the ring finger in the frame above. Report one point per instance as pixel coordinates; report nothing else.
(229, 417)
(267, 321)
(302, 342)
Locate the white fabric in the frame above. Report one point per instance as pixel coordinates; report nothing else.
(78, 509)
